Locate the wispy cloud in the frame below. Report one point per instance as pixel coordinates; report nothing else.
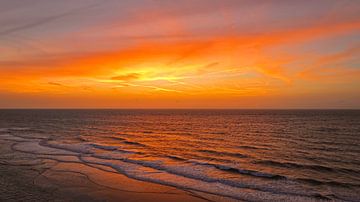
(46, 20)
(126, 77)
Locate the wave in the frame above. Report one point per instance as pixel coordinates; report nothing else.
(104, 147)
(195, 177)
(327, 129)
(132, 171)
(3, 130)
(193, 173)
(134, 143)
(176, 157)
(88, 149)
(219, 133)
(74, 147)
(84, 148)
(117, 138)
(330, 183)
(222, 153)
(252, 147)
(14, 129)
(185, 170)
(305, 166)
(252, 173)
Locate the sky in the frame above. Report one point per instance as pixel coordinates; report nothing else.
(180, 54)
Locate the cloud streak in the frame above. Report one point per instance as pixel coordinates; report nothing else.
(46, 20)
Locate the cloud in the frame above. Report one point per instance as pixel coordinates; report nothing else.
(46, 20)
(55, 84)
(332, 66)
(126, 77)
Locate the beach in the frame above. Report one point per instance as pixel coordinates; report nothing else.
(24, 177)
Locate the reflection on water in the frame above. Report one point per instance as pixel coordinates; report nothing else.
(243, 154)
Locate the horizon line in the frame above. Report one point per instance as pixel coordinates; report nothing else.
(115, 108)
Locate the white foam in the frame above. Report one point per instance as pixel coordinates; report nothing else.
(82, 148)
(35, 148)
(87, 148)
(203, 173)
(4, 130)
(153, 175)
(14, 138)
(104, 147)
(187, 175)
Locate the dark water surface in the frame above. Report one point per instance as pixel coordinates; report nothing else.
(242, 154)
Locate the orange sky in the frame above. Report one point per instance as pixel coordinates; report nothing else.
(188, 54)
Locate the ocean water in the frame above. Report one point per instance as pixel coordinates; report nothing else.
(255, 155)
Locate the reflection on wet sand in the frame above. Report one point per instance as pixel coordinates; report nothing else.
(40, 175)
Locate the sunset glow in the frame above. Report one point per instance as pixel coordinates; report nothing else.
(172, 54)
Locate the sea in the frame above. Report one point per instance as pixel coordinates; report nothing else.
(246, 155)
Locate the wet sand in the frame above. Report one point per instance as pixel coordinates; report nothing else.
(30, 177)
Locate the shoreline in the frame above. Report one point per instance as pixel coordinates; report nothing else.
(32, 177)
